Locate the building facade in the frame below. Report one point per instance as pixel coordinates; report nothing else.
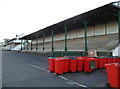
(98, 29)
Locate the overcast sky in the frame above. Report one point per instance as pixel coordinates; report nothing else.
(27, 16)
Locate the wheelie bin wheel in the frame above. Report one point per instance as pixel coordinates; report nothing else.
(51, 71)
(57, 74)
(108, 85)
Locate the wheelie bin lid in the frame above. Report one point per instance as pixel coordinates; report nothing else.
(100, 57)
(73, 58)
(65, 58)
(79, 57)
(113, 65)
(52, 57)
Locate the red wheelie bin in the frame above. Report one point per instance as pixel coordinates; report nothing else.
(114, 60)
(51, 61)
(104, 61)
(118, 60)
(96, 62)
(113, 73)
(101, 62)
(72, 64)
(89, 65)
(82, 57)
(66, 65)
(59, 65)
(109, 60)
(80, 62)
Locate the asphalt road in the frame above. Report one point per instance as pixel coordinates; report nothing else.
(31, 70)
(28, 70)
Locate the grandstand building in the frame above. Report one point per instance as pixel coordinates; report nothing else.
(98, 29)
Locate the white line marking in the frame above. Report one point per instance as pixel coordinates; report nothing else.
(38, 67)
(72, 82)
(67, 80)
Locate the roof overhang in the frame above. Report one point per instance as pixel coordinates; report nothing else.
(99, 15)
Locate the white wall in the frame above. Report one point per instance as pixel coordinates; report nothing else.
(90, 31)
(57, 37)
(49, 38)
(116, 52)
(33, 41)
(71, 34)
(80, 33)
(7, 47)
(40, 40)
(112, 27)
(100, 29)
(62, 36)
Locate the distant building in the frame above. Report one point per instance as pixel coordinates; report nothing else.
(1, 46)
(10, 44)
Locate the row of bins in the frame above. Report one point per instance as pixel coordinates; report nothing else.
(107, 60)
(60, 65)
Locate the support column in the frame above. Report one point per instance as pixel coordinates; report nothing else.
(52, 40)
(24, 44)
(31, 43)
(36, 42)
(65, 44)
(10, 46)
(85, 37)
(119, 23)
(21, 44)
(27, 44)
(118, 19)
(43, 41)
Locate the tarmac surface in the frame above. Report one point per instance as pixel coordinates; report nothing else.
(31, 70)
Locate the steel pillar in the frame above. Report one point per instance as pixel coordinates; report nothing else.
(21, 44)
(119, 25)
(24, 44)
(27, 44)
(52, 40)
(65, 40)
(43, 41)
(85, 37)
(31, 43)
(36, 43)
(118, 19)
